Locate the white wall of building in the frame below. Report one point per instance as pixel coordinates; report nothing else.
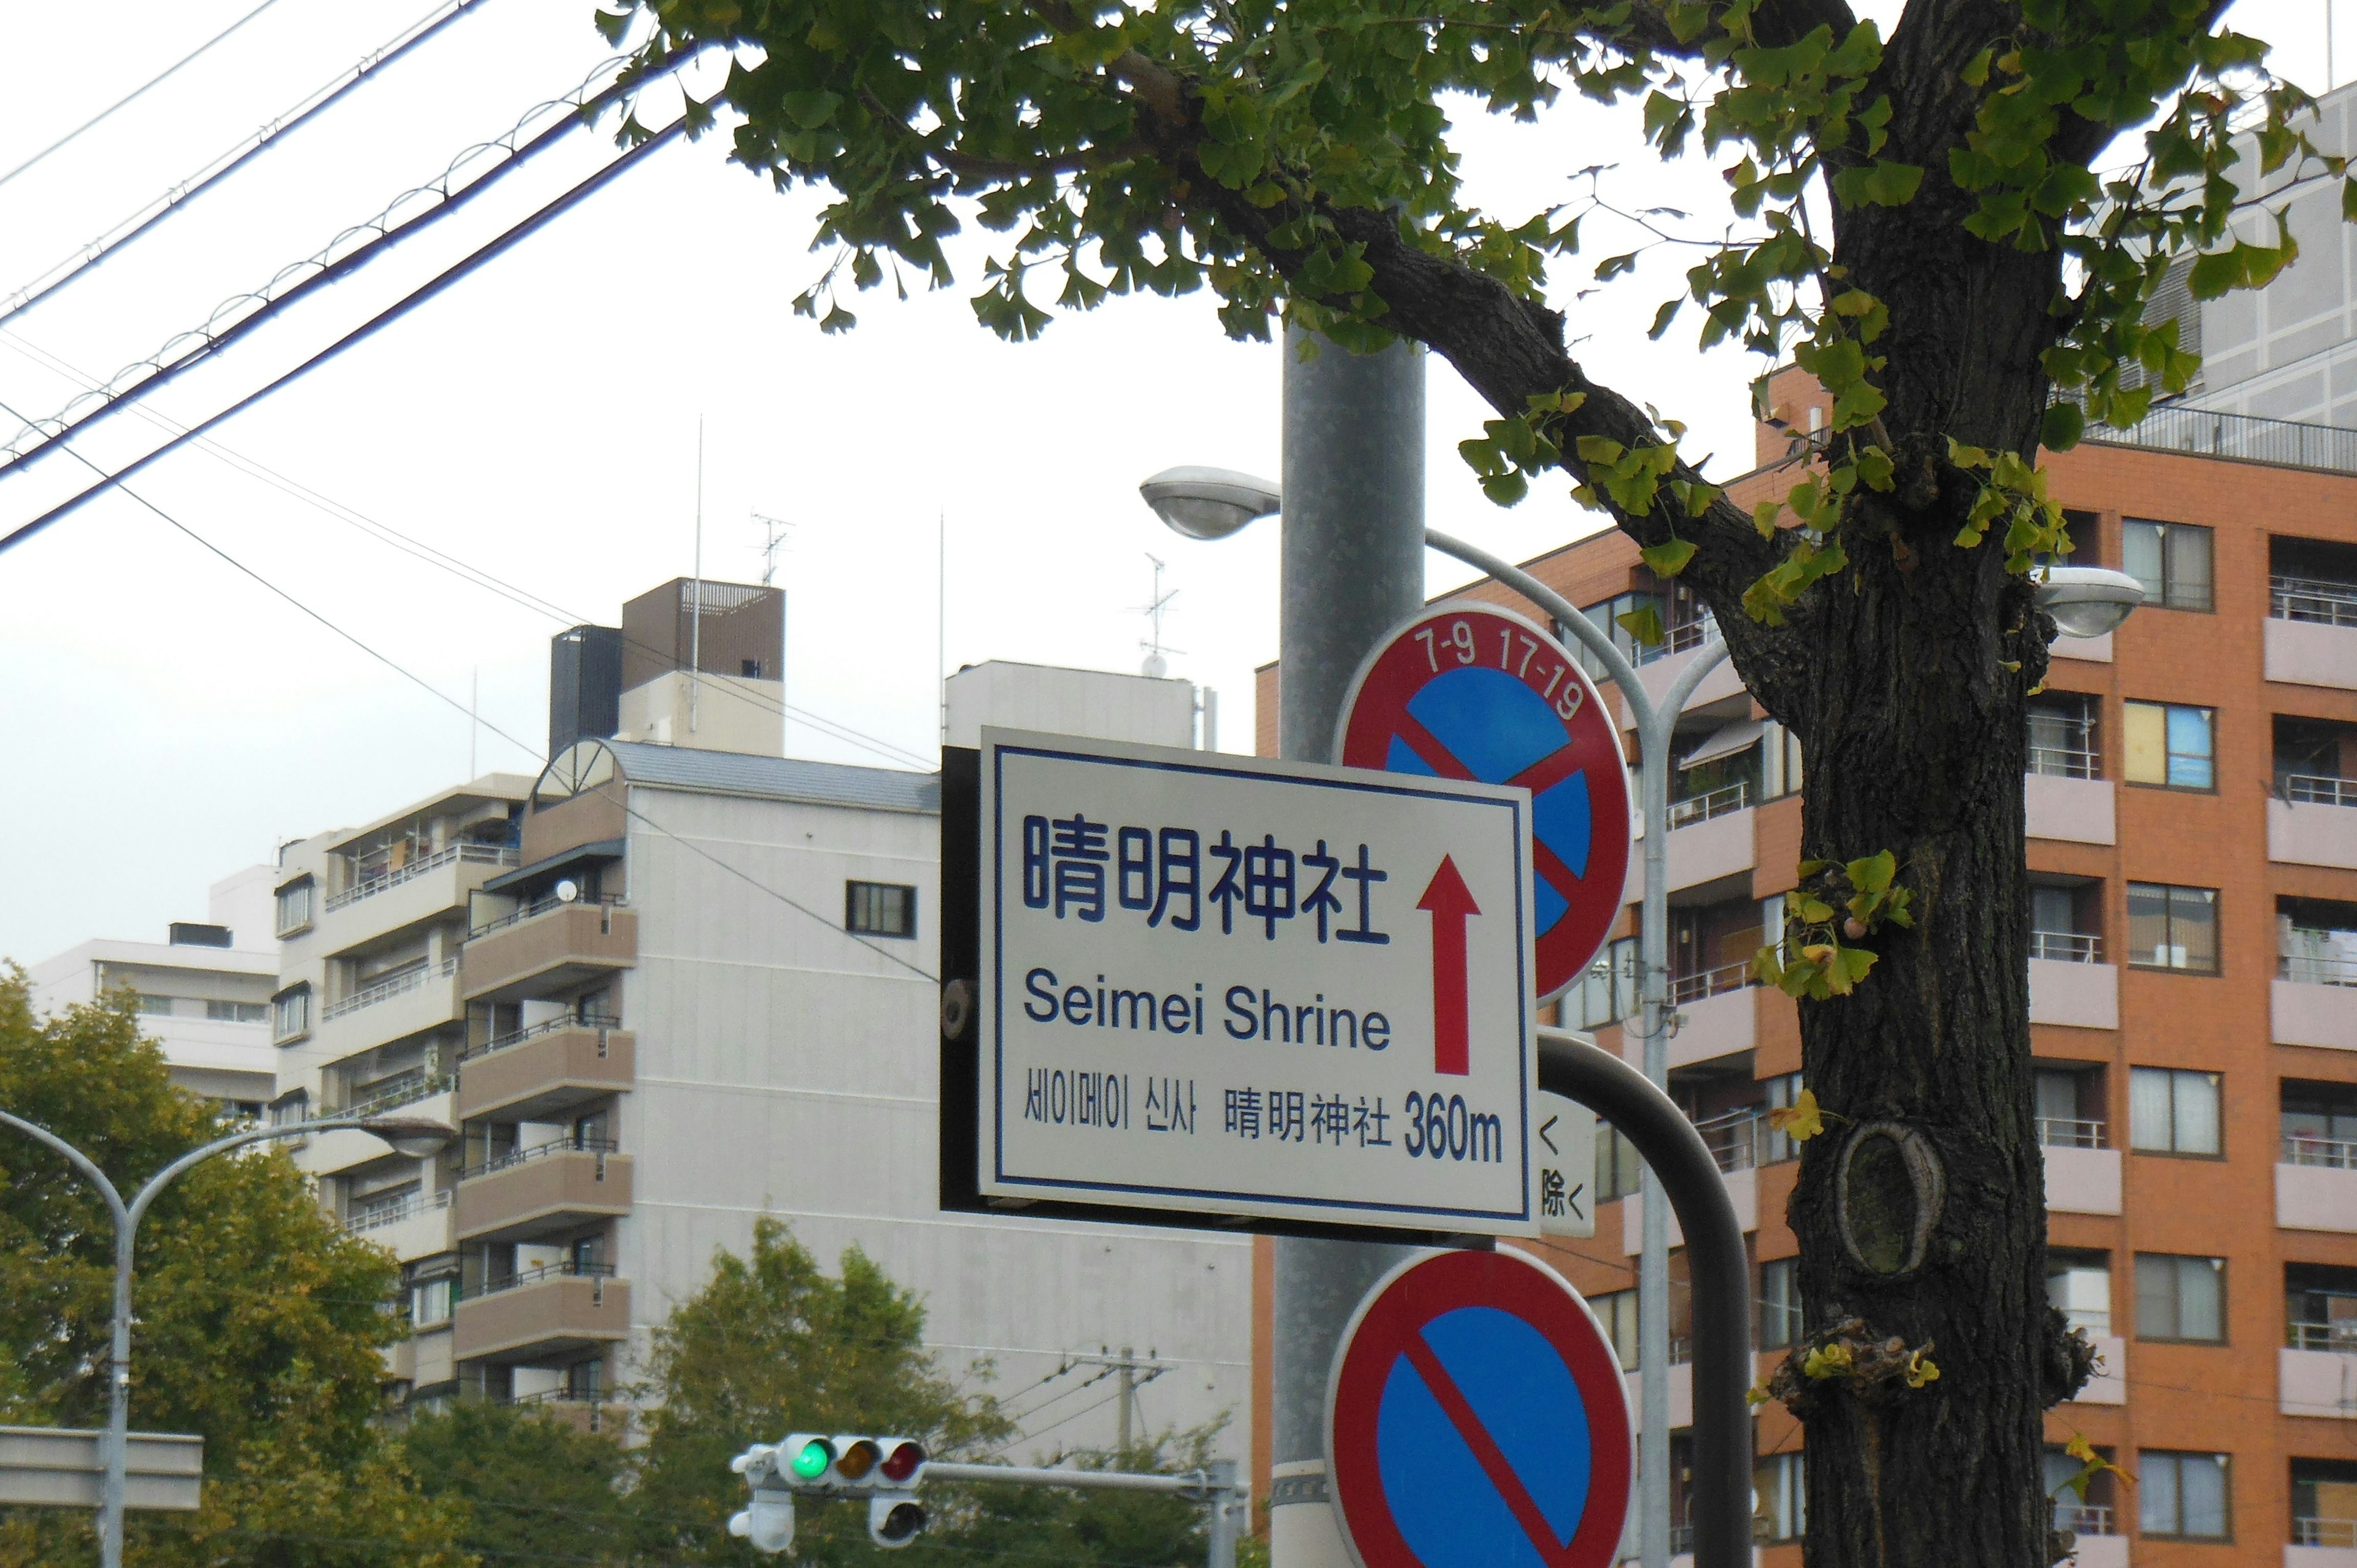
(1144, 709)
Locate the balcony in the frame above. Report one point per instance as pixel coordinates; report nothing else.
(2316, 1370)
(583, 1413)
(2322, 1544)
(432, 884)
(542, 1190)
(1681, 1396)
(1718, 1013)
(2069, 984)
(2081, 1176)
(2110, 1383)
(2098, 1543)
(1742, 1191)
(535, 1074)
(417, 1226)
(543, 1314)
(548, 947)
(1711, 836)
(390, 1009)
(2312, 821)
(1659, 668)
(2075, 809)
(2316, 1186)
(2311, 632)
(401, 1088)
(2314, 1001)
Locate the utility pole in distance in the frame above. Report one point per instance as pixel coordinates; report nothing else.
(1353, 553)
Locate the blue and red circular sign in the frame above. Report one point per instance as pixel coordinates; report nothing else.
(1467, 690)
(1475, 1419)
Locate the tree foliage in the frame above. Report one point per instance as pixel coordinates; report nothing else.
(258, 1322)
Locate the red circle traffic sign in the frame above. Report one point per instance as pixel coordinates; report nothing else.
(1471, 691)
(1476, 1418)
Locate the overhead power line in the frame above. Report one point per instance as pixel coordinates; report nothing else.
(138, 91)
(228, 163)
(360, 334)
(465, 572)
(338, 259)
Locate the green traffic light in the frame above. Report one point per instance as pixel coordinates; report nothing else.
(812, 1461)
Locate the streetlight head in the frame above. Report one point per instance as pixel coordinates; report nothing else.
(1208, 503)
(2087, 601)
(411, 1136)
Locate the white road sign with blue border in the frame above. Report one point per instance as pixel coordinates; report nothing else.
(1232, 985)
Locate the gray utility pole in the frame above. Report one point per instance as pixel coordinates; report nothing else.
(1352, 569)
(1125, 1365)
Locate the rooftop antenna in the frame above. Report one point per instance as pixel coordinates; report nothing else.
(695, 627)
(1155, 666)
(780, 532)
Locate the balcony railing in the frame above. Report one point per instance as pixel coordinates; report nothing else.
(2299, 1149)
(2084, 1518)
(570, 1145)
(2066, 947)
(1718, 802)
(537, 906)
(568, 1268)
(2313, 599)
(2318, 789)
(546, 1027)
(2069, 1132)
(386, 990)
(1739, 1140)
(404, 1089)
(470, 853)
(2065, 762)
(2316, 968)
(377, 1216)
(2258, 439)
(2339, 1533)
(1711, 982)
(2340, 1336)
(1677, 639)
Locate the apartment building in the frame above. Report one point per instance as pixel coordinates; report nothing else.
(203, 992)
(2192, 815)
(680, 987)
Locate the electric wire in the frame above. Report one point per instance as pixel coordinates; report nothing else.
(386, 534)
(408, 302)
(352, 249)
(178, 196)
(137, 92)
(437, 693)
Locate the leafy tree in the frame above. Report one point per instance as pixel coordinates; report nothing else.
(1917, 221)
(531, 1485)
(772, 1343)
(258, 1322)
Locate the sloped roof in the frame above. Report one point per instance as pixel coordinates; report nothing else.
(777, 777)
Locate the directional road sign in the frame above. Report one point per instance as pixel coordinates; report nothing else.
(1475, 1419)
(1225, 986)
(1472, 692)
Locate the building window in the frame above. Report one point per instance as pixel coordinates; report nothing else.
(2173, 1112)
(2172, 927)
(237, 1012)
(291, 1013)
(294, 907)
(879, 908)
(2079, 1286)
(2062, 735)
(148, 1004)
(429, 1302)
(1780, 1304)
(1776, 1146)
(1616, 1311)
(1780, 1504)
(2181, 1298)
(2172, 746)
(2324, 1503)
(1616, 1164)
(2171, 560)
(1608, 992)
(2182, 1494)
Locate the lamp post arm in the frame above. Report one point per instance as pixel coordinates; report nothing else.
(1615, 663)
(81, 1161)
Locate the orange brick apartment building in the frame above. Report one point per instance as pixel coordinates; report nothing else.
(2192, 812)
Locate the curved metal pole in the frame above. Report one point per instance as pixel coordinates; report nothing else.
(1721, 1503)
(126, 1229)
(1655, 723)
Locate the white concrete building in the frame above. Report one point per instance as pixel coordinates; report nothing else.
(204, 992)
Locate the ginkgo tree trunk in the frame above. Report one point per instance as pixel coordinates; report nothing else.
(1914, 221)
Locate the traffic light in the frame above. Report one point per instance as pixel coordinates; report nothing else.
(894, 1518)
(884, 1470)
(768, 1521)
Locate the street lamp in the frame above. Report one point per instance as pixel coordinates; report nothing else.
(410, 1136)
(2087, 601)
(1208, 503)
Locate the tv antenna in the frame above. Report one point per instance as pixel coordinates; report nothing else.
(779, 532)
(1155, 666)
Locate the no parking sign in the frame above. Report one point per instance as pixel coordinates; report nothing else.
(1475, 1419)
(1471, 692)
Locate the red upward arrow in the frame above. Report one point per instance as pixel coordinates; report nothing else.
(1449, 901)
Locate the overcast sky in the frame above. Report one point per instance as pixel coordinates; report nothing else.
(165, 720)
